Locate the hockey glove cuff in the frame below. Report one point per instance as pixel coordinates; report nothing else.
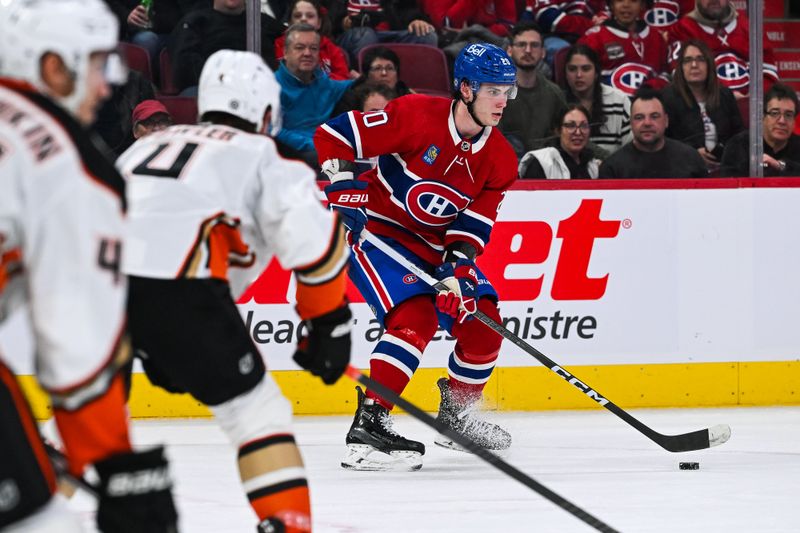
(325, 351)
(136, 494)
(349, 197)
(461, 297)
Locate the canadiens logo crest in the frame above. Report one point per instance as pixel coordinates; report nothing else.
(431, 203)
(663, 14)
(732, 71)
(410, 279)
(628, 77)
(431, 154)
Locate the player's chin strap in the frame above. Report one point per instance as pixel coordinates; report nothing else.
(471, 109)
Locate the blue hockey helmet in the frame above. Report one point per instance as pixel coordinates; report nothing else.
(483, 63)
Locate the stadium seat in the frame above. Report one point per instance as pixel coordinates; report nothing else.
(559, 63)
(744, 109)
(423, 68)
(137, 59)
(182, 108)
(167, 85)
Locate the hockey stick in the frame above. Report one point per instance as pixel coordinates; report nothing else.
(60, 464)
(468, 444)
(684, 442)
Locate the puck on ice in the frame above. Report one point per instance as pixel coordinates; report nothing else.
(689, 466)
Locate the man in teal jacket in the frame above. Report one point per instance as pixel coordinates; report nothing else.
(308, 95)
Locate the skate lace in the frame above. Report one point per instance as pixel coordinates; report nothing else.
(386, 423)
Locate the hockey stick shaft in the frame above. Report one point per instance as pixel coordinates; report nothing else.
(390, 396)
(60, 464)
(695, 440)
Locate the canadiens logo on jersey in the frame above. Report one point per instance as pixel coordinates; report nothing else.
(630, 76)
(663, 14)
(732, 71)
(431, 203)
(431, 154)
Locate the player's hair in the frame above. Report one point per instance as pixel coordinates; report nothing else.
(300, 27)
(780, 91)
(648, 93)
(523, 26)
(221, 117)
(368, 89)
(711, 85)
(596, 117)
(380, 52)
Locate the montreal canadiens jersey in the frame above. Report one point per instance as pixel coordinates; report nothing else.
(730, 47)
(571, 17)
(662, 14)
(430, 187)
(61, 225)
(211, 201)
(628, 60)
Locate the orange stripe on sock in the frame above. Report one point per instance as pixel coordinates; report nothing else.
(286, 505)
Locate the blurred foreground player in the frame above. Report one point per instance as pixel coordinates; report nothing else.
(61, 223)
(209, 206)
(442, 172)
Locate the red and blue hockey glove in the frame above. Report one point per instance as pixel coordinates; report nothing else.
(325, 350)
(349, 198)
(461, 299)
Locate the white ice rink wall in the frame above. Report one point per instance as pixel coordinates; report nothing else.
(656, 293)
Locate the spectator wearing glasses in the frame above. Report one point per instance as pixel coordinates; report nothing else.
(148, 117)
(781, 146)
(381, 67)
(609, 108)
(568, 157)
(527, 118)
(702, 112)
(650, 154)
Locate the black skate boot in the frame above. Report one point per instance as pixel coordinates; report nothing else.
(373, 445)
(462, 419)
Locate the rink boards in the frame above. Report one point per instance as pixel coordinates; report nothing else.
(662, 293)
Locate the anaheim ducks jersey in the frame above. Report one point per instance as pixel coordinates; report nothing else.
(629, 59)
(430, 187)
(730, 46)
(61, 224)
(211, 201)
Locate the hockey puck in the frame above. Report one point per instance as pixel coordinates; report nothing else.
(689, 466)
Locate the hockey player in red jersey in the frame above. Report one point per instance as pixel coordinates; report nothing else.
(209, 206)
(631, 52)
(61, 222)
(725, 31)
(443, 169)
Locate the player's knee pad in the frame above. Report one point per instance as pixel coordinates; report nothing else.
(475, 341)
(259, 412)
(54, 516)
(414, 321)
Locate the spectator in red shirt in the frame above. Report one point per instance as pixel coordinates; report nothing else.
(332, 59)
(496, 15)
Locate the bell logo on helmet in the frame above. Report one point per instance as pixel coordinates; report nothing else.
(476, 49)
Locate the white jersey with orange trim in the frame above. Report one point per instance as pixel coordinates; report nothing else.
(61, 225)
(212, 201)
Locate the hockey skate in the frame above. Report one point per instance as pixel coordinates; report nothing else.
(463, 419)
(372, 444)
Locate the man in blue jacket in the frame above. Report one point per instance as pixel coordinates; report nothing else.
(308, 95)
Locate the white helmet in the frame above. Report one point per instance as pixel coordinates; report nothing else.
(71, 29)
(241, 84)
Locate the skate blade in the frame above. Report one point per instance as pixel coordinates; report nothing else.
(444, 442)
(365, 458)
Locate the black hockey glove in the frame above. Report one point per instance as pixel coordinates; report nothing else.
(136, 494)
(325, 351)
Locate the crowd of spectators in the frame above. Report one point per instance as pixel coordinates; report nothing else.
(582, 66)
